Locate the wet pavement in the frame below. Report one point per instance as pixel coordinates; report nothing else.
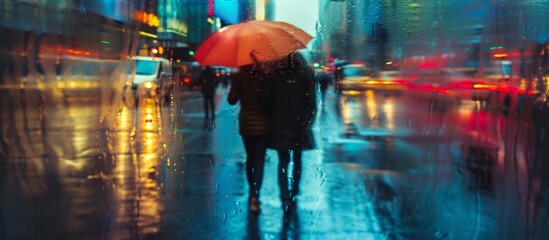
(82, 158)
(387, 166)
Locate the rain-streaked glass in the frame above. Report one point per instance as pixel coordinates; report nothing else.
(433, 124)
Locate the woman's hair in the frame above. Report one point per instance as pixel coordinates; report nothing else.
(296, 61)
(246, 68)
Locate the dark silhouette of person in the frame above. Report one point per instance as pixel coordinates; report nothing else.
(208, 83)
(224, 78)
(253, 126)
(290, 97)
(323, 80)
(338, 75)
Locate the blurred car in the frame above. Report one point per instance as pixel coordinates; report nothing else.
(460, 82)
(153, 76)
(358, 77)
(223, 75)
(428, 82)
(466, 85)
(353, 77)
(428, 90)
(188, 74)
(388, 81)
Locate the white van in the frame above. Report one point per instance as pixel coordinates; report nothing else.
(153, 77)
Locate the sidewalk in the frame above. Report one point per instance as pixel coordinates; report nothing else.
(402, 187)
(330, 206)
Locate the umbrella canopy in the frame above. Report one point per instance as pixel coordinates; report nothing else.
(243, 43)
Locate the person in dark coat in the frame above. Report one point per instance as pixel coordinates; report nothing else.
(291, 100)
(207, 80)
(253, 123)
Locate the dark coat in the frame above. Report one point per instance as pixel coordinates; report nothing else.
(207, 81)
(291, 100)
(246, 88)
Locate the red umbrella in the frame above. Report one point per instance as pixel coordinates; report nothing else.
(243, 43)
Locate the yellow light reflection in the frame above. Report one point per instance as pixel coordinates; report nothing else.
(345, 112)
(148, 85)
(465, 112)
(150, 142)
(260, 9)
(124, 119)
(371, 107)
(352, 92)
(389, 109)
(138, 188)
(149, 119)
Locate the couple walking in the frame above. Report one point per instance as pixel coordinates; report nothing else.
(277, 105)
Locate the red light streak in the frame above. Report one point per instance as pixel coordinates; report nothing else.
(210, 8)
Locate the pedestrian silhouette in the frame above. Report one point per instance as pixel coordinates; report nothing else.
(207, 80)
(253, 126)
(323, 80)
(291, 100)
(224, 77)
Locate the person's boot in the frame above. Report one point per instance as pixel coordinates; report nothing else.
(253, 204)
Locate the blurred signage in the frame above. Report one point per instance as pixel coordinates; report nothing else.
(210, 8)
(147, 18)
(115, 9)
(175, 26)
(227, 10)
(260, 9)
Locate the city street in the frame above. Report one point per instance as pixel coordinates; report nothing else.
(431, 121)
(386, 166)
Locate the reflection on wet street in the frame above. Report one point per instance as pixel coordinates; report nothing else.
(386, 167)
(68, 171)
(431, 123)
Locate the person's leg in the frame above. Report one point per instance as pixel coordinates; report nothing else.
(258, 163)
(206, 111)
(249, 147)
(296, 173)
(284, 160)
(212, 105)
(255, 161)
